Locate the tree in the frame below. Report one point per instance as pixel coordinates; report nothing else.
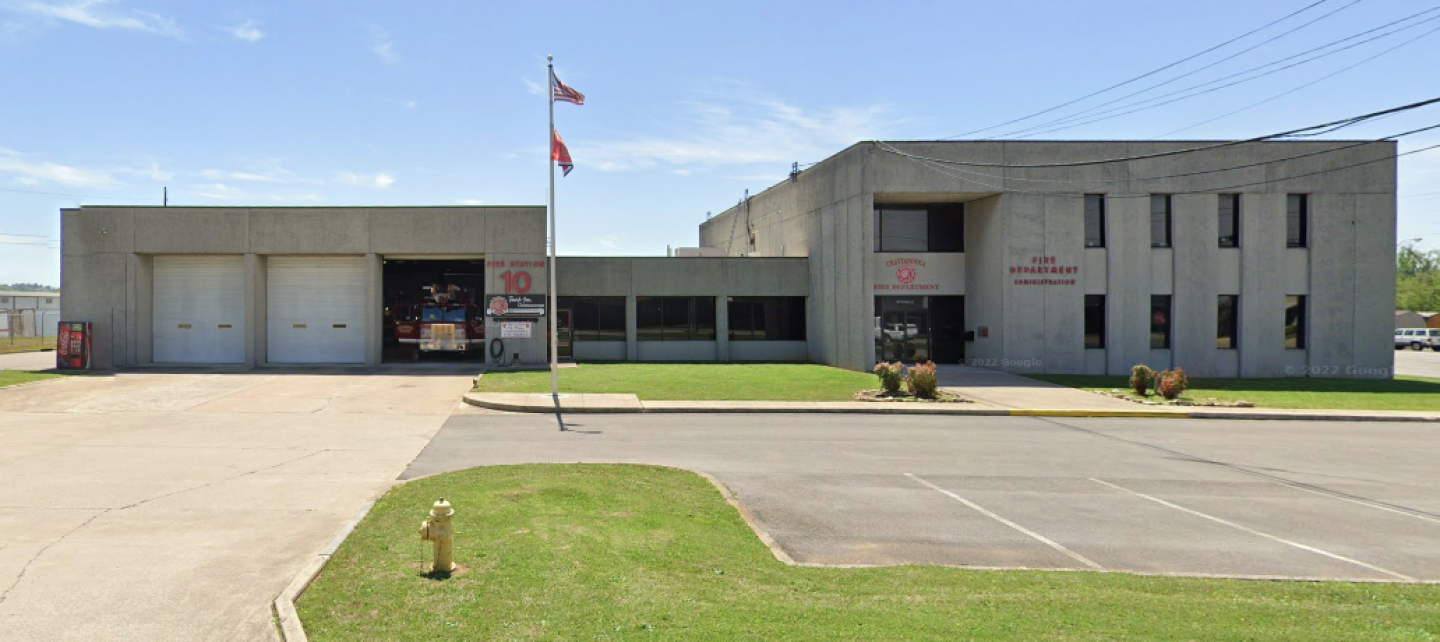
(1417, 279)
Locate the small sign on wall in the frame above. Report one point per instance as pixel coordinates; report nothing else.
(515, 329)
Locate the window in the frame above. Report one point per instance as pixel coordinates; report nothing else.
(920, 228)
(1159, 220)
(1094, 220)
(596, 318)
(1229, 220)
(675, 318)
(1297, 220)
(767, 318)
(1094, 321)
(1227, 332)
(49, 300)
(1159, 321)
(1295, 321)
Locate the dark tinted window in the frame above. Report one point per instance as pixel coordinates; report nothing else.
(1227, 331)
(779, 318)
(1160, 220)
(901, 229)
(1297, 220)
(596, 318)
(1094, 321)
(1094, 220)
(1295, 321)
(1229, 220)
(675, 318)
(947, 228)
(1160, 321)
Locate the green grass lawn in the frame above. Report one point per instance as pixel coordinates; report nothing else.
(28, 344)
(14, 377)
(625, 552)
(694, 382)
(1403, 393)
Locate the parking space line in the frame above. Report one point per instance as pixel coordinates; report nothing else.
(1036, 536)
(1252, 531)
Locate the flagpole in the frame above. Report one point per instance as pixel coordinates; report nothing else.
(554, 312)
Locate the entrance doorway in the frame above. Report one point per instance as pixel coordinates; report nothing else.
(432, 309)
(920, 328)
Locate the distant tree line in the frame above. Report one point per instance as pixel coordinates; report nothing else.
(27, 287)
(1417, 279)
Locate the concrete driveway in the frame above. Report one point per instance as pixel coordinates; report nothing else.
(176, 506)
(1286, 499)
(1417, 364)
(31, 361)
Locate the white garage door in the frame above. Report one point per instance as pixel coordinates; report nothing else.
(199, 309)
(315, 309)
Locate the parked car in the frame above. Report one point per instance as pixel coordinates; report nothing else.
(1418, 338)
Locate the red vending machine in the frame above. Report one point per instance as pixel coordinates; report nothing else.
(73, 350)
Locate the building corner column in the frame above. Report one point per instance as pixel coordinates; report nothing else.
(722, 327)
(632, 342)
(374, 309)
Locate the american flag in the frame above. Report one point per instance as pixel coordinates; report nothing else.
(560, 154)
(564, 94)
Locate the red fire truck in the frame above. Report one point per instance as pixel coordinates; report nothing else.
(448, 321)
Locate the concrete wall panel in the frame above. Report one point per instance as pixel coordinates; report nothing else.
(287, 230)
(1333, 282)
(599, 351)
(437, 230)
(769, 351)
(677, 350)
(192, 230)
(97, 230)
(1262, 300)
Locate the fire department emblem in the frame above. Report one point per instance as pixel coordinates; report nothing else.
(498, 306)
(905, 274)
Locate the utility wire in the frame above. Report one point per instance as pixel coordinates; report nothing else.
(1144, 75)
(893, 150)
(1330, 126)
(26, 191)
(1068, 122)
(1308, 84)
(1179, 77)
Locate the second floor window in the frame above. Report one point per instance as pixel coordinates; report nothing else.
(1229, 220)
(938, 227)
(1159, 220)
(1297, 220)
(1094, 220)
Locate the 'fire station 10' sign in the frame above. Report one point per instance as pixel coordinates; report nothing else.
(1044, 270)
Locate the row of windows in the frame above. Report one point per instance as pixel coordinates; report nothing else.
(687, 318)
(1227, 330)
(1297, 220)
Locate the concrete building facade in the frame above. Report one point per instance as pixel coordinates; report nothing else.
(1228, 259)
(1035, 278)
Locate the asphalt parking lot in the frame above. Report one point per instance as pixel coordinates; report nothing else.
(1411, 363)
(1299, 500)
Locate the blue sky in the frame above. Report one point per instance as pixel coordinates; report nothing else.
(329, 102)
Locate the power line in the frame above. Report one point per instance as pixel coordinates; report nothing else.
(1330, 126)
(891, 149)
(1144, 75)
(1308, 84)
(26, 191)
(1107, 114)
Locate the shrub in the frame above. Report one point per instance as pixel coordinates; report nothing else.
(921, 380)
(1172, 383)
(1141, 379)
(890, 376)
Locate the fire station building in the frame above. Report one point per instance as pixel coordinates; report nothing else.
(1231, 260)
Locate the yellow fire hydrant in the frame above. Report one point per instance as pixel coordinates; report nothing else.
(437, 529)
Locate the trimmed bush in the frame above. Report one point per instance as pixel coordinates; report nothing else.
(891, 375)
(1142, 378)
(921, 380)
(1172, 383)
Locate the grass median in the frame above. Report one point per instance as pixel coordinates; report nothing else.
(619, 552)
(1402, 393)
(693, 381)
(17, 377)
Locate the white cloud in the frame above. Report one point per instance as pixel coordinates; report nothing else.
(31, 172)
(753, 129)
(220, 191)
(607, 241)
(534, 88)
(93, 13)
(411, 104)
(153, 172)
(379, 180)
(215, 174)
(246, 31)
(383, 45)
(469, 201)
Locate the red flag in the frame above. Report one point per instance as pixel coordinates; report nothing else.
(559, 153)
(564, 94)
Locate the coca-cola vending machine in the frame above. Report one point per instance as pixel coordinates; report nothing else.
(73, 350)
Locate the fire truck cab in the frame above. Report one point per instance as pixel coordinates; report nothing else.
(447, 322)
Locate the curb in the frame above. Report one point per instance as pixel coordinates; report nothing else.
(897, 409)
(287, 621)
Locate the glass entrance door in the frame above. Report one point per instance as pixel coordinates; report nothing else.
(902, 329)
